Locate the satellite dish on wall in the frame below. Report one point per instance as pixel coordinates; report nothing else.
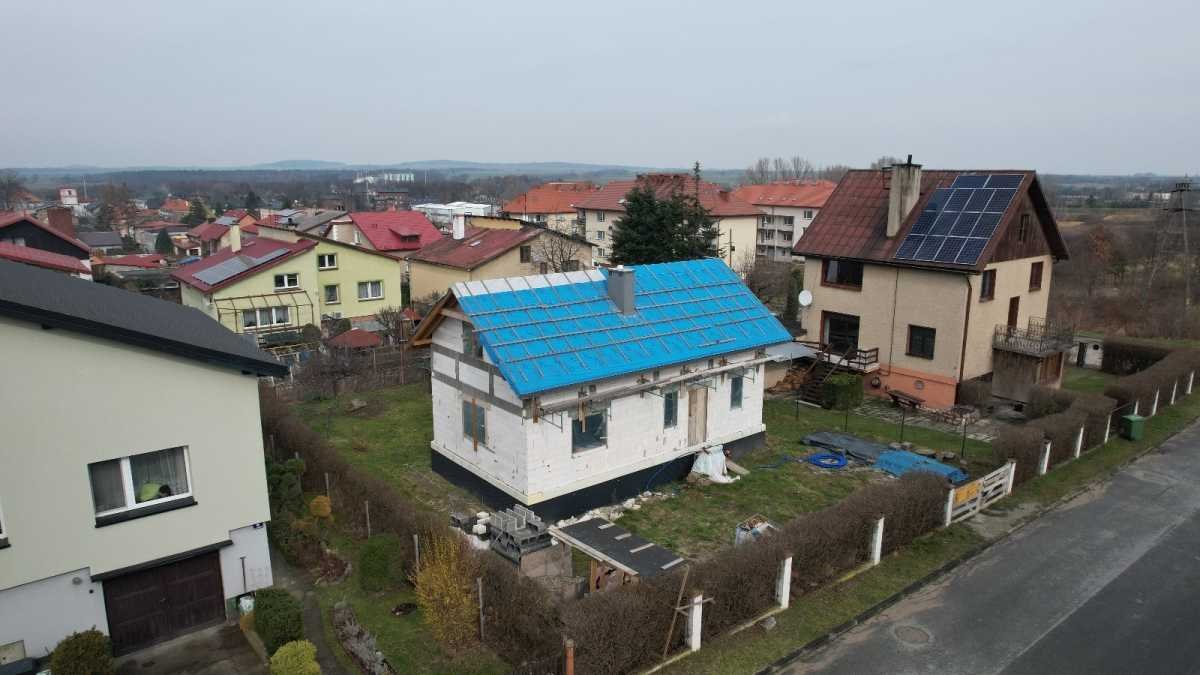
(806, 298)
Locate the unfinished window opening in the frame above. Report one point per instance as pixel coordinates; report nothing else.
(474, 423)
(670, 408)
(735, 392)
(589, 430)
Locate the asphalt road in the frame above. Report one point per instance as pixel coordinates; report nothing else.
(1109, 583)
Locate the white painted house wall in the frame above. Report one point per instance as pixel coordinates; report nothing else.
(533, 461)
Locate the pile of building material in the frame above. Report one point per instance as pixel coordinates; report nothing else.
(517, 532)
(793, 381)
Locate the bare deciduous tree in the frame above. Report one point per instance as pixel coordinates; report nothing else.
(560, 252)
(395, 325)
(885, 161)
(769, 280)
(11, 190)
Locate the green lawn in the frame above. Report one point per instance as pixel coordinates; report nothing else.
(1086, 379)
(701, 519)
(390, 439)
(405, 641)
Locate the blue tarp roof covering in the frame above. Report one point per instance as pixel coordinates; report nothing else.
(549, 331)
(900, 462)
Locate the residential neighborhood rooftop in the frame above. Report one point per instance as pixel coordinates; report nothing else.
(40, 258)
(479, 245)
(719, 201)
(58, 301)
(794, 193)
(549, 331)
(228, 266)
(557, 197)
(101, 238)
(395, 230)
(9, 219)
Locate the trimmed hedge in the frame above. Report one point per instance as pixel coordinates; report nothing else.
(86, 653)
(379, 564)
(296, 658)
(1172, 370)
(1062, 429)
(1024, 444)
(278, 619)
(1048, 401)
(842, 391)
(1123, 356)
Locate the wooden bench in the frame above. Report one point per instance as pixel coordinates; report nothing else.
(903, 400)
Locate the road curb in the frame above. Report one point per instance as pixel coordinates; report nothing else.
(950, 565)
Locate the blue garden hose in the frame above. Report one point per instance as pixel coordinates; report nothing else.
(827, 460)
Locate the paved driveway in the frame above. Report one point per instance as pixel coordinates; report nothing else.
(220, 650)
(1109, 583)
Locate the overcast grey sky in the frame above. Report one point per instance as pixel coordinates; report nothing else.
(1059, 86)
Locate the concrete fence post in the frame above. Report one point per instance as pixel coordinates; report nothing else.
(1154, 405)
(694, 618)
(1136, 405)
(1012, 476)
(1044, 461)
(783, 584)
(1079, 442)
(1191, 378)
(1174, 390)
(1107, 428)
(877, 539)
(949, 518)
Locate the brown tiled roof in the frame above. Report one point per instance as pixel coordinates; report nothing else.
(853, 223)
(558, 197)
(794, 193)
(719, 201)
(480, 245)
(40, 258)
(9, 218)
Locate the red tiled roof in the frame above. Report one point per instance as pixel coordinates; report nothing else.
(719, 201)
(145, 260)
(176, 204)
(208, 231)
(7, 219)
(804, 194)
(853, 223)
(258, 248)
(558, 197)
(40, 258)
(388, 230)
(235, 213)
(356, 338)
(480, 245)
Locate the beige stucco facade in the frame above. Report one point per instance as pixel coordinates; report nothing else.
(893, 298)
(428, 279)
(597, 226)
(74, 399)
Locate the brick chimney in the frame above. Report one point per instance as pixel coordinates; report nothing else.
(903, 194)
(61, 219)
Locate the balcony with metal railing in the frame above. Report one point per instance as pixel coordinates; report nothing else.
(1039, 338)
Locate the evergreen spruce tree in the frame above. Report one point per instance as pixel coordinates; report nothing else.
(163, 243)
(253, 202)
(196, 214)
(655, 229)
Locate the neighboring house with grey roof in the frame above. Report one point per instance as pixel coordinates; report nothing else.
(102, 241)
(143, 531)
(563, 392)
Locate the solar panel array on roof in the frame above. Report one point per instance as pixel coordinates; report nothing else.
(959, 221)
(235, 265)
(551, 331)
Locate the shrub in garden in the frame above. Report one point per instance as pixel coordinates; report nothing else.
(283, 486)
(623, 630)
(298, 657)
(1023, 444)
(1124, 356)
(842, 391)
(1095, 410)
(277, 618)
(1048, 401)
(85, 653)
(1061, 428)
(380, 566)
(520, 618)
(445, 590)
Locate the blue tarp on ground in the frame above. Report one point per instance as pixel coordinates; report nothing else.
(900, 462)
(858, 448)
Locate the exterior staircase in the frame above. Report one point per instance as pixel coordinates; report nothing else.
(814, 381)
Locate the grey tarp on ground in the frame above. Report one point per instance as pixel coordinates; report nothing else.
(858, 448)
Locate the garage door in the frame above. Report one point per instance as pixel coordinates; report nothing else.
(156, 604)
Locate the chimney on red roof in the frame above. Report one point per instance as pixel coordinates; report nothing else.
(903, 193)
(61, 219)
(235, 238)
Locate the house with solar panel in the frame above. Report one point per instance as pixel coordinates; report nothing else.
(924, 279)
(563, 392)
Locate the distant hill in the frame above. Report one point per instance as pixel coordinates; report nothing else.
(296, 165)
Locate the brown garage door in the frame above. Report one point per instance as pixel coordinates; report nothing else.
(156, 604)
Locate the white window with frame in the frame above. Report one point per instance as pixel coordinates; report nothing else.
(333, 294)
(599, 235)
(370, 290)
(600, 216)
(139, 481)
(287, 281)
(808, 214)
(266, 317)
(327, 261)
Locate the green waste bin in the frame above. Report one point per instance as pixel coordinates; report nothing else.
(1134, 427)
